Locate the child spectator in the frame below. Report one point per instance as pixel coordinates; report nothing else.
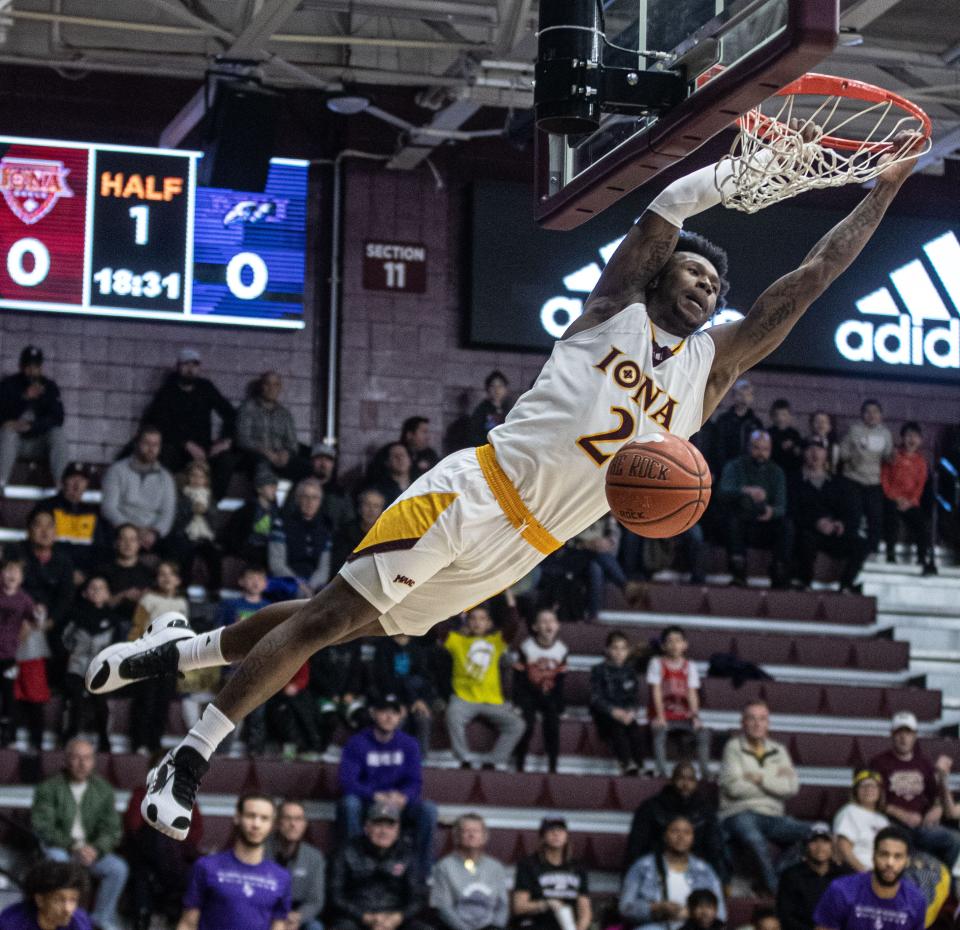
(92, 626)
(151, 698)
(538, 685)
(674, 705)
(823, 433)
(615, 703)
(193, 534)
(903, 479)
(787, 443)
(293, 718)
(252, 583)
(400, 667)
(31, 689)
(248, 530)
(702, 906)
(16, 611)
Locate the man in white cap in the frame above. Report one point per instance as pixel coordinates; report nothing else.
(182, 410)
(913, 798)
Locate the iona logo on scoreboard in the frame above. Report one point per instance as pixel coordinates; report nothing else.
(557, 313)
(32, 186)
(928, 333)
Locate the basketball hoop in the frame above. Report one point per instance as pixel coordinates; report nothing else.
(854, 127)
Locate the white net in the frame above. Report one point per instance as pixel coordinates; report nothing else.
(796, 142)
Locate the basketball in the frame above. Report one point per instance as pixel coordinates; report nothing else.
(658, 485)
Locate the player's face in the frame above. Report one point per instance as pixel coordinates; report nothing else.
(678, 837)
(255, 821)
(688, 289)
(889, 861)
(292, 823)
(55, 908)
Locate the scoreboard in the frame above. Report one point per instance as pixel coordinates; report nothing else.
(120, 231)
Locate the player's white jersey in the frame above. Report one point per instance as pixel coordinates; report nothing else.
(599, 389)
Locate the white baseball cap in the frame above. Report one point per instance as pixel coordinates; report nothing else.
(903, 721)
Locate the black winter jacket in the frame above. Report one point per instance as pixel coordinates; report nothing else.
(365, 879)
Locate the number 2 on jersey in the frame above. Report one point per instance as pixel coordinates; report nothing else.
(618, 434)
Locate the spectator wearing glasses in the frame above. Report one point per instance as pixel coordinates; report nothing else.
(307, 866)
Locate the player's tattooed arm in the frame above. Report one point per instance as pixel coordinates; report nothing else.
(637, 261)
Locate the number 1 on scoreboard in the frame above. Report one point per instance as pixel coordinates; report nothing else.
(141, 224)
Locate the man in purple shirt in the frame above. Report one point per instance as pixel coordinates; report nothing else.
(51, 899)
(879, 900)
(381, 764)
(239, 887)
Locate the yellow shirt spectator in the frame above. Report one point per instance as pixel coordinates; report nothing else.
(476, 666)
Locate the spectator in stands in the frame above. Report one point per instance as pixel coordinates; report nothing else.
(476, 650)
(336, 679)
(300, 542)
(52, 892)
(469, 890)
(381, 765)
(602, 541)
(764, 917)
(151, 697)
(247, 532)
(140, 491)
(192, 537)
(863, 451)
(91, 626)
(703, 906)
(803, 884)
(305, 863)
(396, 474)
(293, 719)
(539, 673)
(31, 418)
(823, 433)
(754, 492)
(615, 703)
(492, 410)
(415, 435)
(266, 432)
(182, 409)
(127, 576)
(374, 880)
(47, 569)
(657, 886)
(903, 479)
(825, 517)
(727, 437)
(400, 667)
(336, 507)
(674, 705)
(31, 688)
(682, 796)
(756, 778)
(551, 891)
(75, 817)
(370, 504)
(240, 887)
(857, 823)
(877, 900)
(160, 867)
(16, 613)
(912, 794)
(79, 529)
(785, 440)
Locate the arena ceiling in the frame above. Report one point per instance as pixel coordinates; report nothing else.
(458, 58)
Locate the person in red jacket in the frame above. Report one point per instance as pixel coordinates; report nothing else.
(903, 479)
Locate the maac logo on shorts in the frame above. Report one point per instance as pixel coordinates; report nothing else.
(32, 186)
(403, 579)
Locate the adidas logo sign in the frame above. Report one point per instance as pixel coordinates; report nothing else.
(928, 333)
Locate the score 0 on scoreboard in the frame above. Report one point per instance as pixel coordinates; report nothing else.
(113, 231)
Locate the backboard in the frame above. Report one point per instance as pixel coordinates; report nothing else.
(761, 44)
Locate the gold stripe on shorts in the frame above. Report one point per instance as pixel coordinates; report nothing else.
(402, 525)
(510, 503)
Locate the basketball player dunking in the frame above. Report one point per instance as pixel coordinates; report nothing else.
(635, 362)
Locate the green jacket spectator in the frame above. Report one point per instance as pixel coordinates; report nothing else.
(745, 471)
(55, 810)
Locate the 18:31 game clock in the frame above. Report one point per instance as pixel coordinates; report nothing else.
(120, 231)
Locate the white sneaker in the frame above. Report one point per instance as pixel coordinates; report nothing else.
(151, 656)
(172, 791)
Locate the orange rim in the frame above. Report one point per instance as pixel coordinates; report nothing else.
(828, 85)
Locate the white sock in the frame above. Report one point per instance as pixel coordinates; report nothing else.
(209, 732)
(201, 651)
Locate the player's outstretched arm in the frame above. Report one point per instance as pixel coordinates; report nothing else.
(740, 345)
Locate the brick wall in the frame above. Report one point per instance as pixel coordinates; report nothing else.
(401, 354)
